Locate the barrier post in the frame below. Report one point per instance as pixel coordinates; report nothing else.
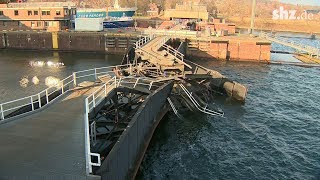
(62, 89)
(31, 101)
(47, 96)
(39, 100)
(2, 114)
(74, 79)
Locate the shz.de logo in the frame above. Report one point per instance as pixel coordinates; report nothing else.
(283, 14)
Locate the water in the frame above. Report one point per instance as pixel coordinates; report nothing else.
(15, 65)
(274, 135)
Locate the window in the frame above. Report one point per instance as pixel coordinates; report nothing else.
(19, 24)
(29, 13)
(33, 24)
(35, 13)
(66, 12)
(58, 12)
(1, 13)
(46, 24)
(16, 12)
(44, 13)
(38, 23)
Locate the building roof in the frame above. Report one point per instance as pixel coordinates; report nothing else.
(41, 4)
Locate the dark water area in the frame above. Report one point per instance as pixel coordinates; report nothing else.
(15, 65)
(274, 135)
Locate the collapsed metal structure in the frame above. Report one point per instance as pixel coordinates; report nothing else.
(157, 79)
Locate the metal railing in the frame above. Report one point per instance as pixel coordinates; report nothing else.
(90, 103)
(142, 41)
(173, 51)
(93, 100)
(198, 106)
(43, 98)
(143, 82)
(299, 46)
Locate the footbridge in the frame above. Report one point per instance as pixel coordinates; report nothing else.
(97, 123)
(310, 50)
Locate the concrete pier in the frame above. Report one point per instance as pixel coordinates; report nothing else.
(235, 48)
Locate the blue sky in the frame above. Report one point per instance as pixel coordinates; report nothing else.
(306, 2)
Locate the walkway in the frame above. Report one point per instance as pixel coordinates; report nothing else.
(312, 51)
(48, 143)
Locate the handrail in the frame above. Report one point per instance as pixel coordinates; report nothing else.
(173, 51)
(97, 97)
(142, 41)
(198, 106)
(172, 106)
(44, 97)
(286, 42)
(93, 100)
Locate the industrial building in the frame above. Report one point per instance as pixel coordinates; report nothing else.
(50, 16)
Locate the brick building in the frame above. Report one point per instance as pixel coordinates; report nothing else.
(51, 16)
(190, 9)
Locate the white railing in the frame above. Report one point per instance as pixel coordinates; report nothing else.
(299, 46)
(132, 82)
(173, 51)
(142, 41)
(90, 103)
(43, 98)
(172, 106)
(198, 106)
(93, 100)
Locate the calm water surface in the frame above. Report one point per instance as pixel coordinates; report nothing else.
(15, 65)
(274, 135)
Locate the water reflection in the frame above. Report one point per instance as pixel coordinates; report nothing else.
(35, 80)
(24, 81)
(50, 64)
(52, 81)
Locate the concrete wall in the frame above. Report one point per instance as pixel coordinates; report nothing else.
(125, 157)
(2, 41)
(81, 41)
(250, 51)
(230, 49)
(67, 41)
(29, 40)
(208, 49)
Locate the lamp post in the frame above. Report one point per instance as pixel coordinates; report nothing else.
(253, 14)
